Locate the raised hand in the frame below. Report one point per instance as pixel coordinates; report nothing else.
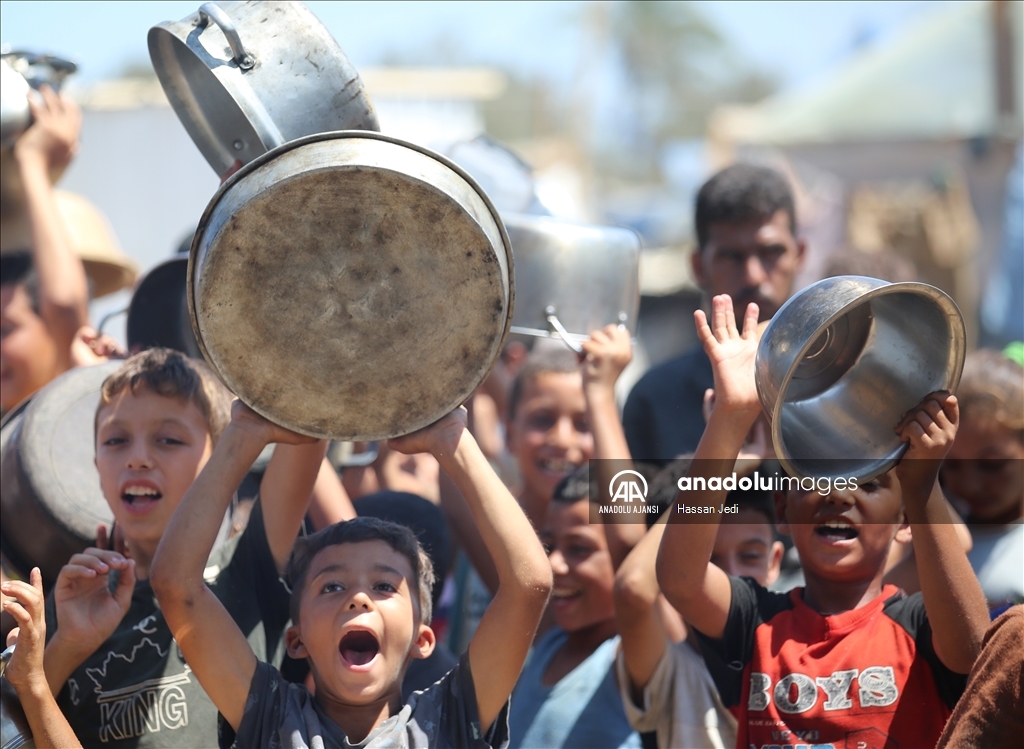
(930, 429)
(440, 438)
(53, 136)
(607, 353)
(27, 608)
(87, 611)
(732, 354)
(247, 420)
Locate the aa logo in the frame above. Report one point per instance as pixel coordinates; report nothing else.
(623, 486)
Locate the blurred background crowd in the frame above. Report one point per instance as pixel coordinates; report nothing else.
(898, 123)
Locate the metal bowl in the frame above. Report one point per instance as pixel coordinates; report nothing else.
(841, 363)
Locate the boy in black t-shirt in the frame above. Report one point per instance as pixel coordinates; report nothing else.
(844, 661)
(361, 611)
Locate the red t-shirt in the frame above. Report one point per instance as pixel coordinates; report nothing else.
(863, 679)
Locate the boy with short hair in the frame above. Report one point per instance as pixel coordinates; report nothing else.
(844, 659)
(360, 614)
(111, 658)
(664, 685)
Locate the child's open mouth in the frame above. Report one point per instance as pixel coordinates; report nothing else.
(836, 531)
(140, 498)
(564, 596)
(358, 648)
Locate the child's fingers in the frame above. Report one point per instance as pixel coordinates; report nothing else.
(35, 577)
(703, 329)
(89, 562)
(78, 572)
(107, 557)
(20, 614)
(126, 585)
(912, 433)
(719, 323)
(750, 321)
(102, 537)
(26, 594)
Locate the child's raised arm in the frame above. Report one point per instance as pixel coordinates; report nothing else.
(636, 597)
(952, 595)
(692, 584)
(499, 647)
(211, 642)
(50, 728)
(608, 352)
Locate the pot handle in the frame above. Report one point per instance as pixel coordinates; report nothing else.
(213, 12)
(556, 324)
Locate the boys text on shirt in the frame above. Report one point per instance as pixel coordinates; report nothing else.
(137, 691)
(793, 676)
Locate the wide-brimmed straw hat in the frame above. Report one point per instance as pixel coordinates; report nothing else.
(92, 238)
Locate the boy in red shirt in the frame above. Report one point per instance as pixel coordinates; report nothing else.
(845, 661)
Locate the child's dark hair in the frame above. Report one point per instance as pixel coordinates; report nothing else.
(554, 360)
(398, 537)
(574, 487)
(16, 270)
(741, 193)
(992, 390)
(173, 375)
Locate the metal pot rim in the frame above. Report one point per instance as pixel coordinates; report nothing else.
(913, 287)
(270, 155)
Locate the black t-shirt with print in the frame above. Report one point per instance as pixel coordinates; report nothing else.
(137, 690)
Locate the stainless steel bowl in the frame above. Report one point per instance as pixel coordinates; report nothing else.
(841, 363)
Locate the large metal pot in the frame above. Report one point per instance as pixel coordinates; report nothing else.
(841, 363)
(572, 279)
(50, 497)
(245, 77)
(15, 732)
(351, 286)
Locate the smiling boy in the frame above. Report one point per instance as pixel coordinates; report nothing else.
(844, 659)
(111, 658)
(361, 612)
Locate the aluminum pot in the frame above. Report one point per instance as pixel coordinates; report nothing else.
(843, 360)
(245, 77)
(21, 71)
(15, 732)
(571, 278)
(50, 497)
(351, 286)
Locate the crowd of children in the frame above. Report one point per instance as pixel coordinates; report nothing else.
(313, 624)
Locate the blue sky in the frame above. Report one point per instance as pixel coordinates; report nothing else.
(796, 42)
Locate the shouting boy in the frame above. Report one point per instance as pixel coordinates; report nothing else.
(360, 599)
(844, 659)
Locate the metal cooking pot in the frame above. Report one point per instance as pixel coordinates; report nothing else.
(19, 72)
(841, 363)
(15, 732)
(572, 279)
(351, 286)
(245, 77)
(50, 497)
(158, 312)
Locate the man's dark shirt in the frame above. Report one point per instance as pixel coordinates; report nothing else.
(663, 416)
